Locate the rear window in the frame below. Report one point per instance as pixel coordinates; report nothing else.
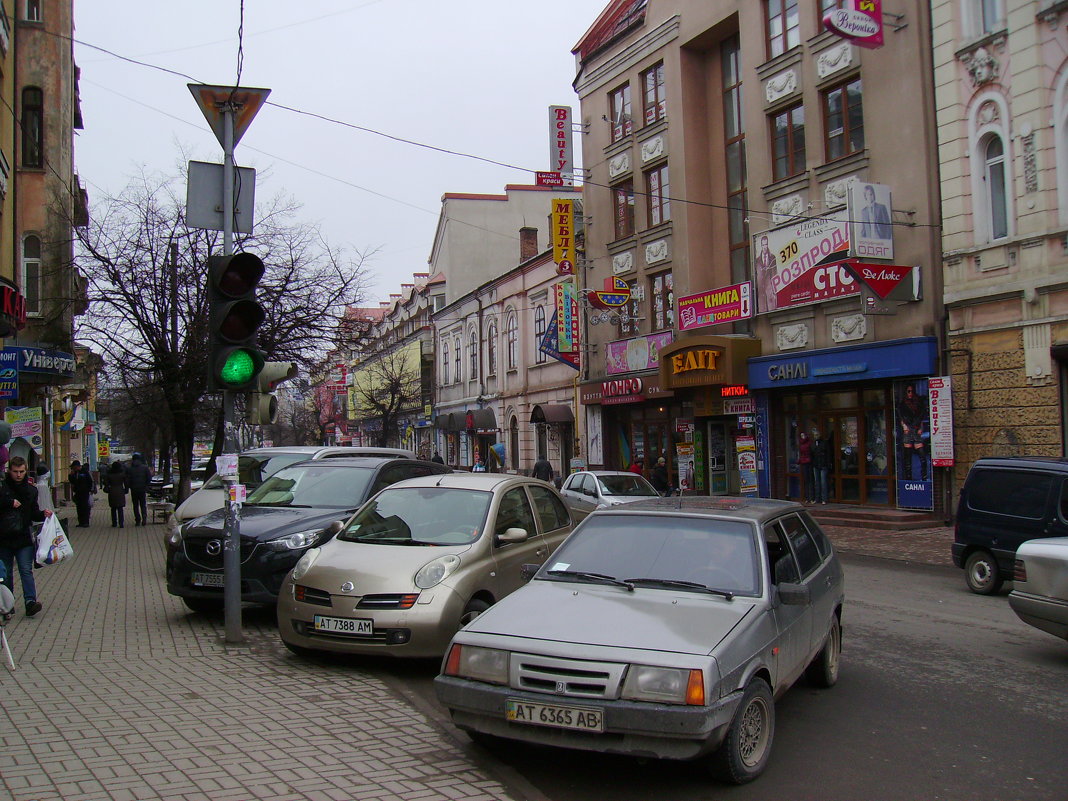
(1017, 493)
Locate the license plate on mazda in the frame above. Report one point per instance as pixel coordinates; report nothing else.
(357, 627)
(554, 715)
(207, 579)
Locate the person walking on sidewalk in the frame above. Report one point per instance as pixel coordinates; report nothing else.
(137, 477)
(84, 488)
(18, 512)
(114, 484)
(821, 465)
(658, 477)
(804, 458)
(543, 469)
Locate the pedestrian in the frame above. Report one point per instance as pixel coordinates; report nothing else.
(543, 469)
(138, 474)
(639, 465)
(437, 458)
(658, 477)
(821, 465)
(480, 466)
(18, 511)
(84, 489)
(804, 458)
(114, 483)
(44, 487)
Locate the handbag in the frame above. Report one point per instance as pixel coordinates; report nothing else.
(52, 543)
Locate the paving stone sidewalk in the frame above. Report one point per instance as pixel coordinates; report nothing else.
(121, 694)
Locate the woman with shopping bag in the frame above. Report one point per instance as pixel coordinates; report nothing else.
(18, 512)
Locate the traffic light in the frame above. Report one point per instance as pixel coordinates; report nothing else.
(262, 406)
(234, 315)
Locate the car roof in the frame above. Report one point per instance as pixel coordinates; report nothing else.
(757, 510)
(1057, 463)
(319, 451)
(608, 473)
(475, 481)
(358, 461)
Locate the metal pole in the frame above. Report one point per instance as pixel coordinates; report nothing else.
(232, 526)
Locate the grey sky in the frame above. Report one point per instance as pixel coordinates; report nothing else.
(473, 76)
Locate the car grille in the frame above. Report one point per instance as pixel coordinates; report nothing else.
(196, 551)
(542, 674)
(388, 601)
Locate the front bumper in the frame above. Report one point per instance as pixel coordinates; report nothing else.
(632, 728)
(262, 573)
(1042, 612)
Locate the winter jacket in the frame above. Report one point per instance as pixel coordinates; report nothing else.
(821, 454)
(16, 524)
(138, 476)
(115, 486)
(82, 483)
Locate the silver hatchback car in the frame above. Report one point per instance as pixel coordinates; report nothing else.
(659, 628)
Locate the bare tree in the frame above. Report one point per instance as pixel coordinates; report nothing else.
(147, 269)
(387, 388)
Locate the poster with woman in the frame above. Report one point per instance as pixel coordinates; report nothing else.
(912, 439)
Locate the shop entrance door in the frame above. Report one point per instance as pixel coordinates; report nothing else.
(718, 459)
(858, 463)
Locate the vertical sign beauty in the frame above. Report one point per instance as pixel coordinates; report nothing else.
(560, 143)
(563, 220)
(940, 391)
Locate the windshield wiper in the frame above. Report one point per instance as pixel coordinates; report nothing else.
(597, 577)
(685, 585)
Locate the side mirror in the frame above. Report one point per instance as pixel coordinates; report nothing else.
(526, 572)
(333, 529)
(513, 535)
(794, 594)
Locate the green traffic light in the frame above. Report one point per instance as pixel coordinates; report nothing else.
(238, 369)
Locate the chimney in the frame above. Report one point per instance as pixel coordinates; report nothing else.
(528, 243)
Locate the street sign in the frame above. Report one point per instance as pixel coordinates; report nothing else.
(204, 197)
(246, 102)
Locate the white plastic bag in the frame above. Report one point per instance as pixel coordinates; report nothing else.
(52, 543)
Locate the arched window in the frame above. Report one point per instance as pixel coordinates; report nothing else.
(513, 342)
(539, 332)
(996, 197)
(458, 359)
(491, 351)
(444, 363)
(473, 345)
(31, 274)
(32, 127)
(513, 442)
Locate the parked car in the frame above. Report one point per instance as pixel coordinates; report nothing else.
(1040, 585)
(368, 591)
(661, 628)
(298, 507)
(1004, 503)
(588, 490)
(256, 466)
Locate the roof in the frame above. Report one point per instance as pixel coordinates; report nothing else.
(720, 506)
(471, 481)
(1057, 463)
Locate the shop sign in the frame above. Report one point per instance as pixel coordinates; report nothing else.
(861, 24)
(695, 360)
(739, 406)
(736, 391)
(561, 146)
(745, 447)
(882, 279)
(39, 360)
(12, 308)
(724, 305)
(622, 390)
(635, 355)
(27, 422)
(940, 390)
(707, 361)
(563, 222)
(9, 374)
(800, 263)
(684, 427)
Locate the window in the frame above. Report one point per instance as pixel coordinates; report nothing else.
(513, 443)
(658, 194)
(783, 26)
(31, 274)
(491, 351)
(804, 548)
(472, 346)
(734, 131)
(663, 301)
(655, 106)
(991, 16)
(551, 510)
(827, 6)
(512, 337)
(514, 512)
(458, 360)
(444, 363)
(539, 332)
(623, 198)
(843, 120)
(628, 322)
(1009, 492)
(788, 142)
(619, 106)
(32, 127)
(33, 10)
(994, 176)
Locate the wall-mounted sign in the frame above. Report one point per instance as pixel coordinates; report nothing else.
(548, 179)
(733, 391)
(563, 222)
(616, 293)
(799, 263)
(40, 360)
(716, 306)
(635, 355)
(561, 157)
(862, 24)
(706, 361)
(9, 374)
(940, 392)
(739, 406)
(12, 309)
(621, 390)
(872, 231)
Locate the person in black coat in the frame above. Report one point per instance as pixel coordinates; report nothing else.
(114, 484)
(543, 469)
(137, 477)
(18, 512)
(658, 477)
(83, 487)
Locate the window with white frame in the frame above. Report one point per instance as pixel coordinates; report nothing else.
(987, 16)
(444, 363)
(991, 168)
(512, 337)
(31, 274)
(993, 149)
(1060, 135)
(458, 359)
(473, 355)
(33, 10)
(539, 332)
(491, 351)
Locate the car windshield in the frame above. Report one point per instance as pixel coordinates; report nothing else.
(421, 516)
(716, 554)
(317, 484)
(631, 485)
(254, 469)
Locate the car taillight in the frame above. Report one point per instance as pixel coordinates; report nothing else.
(452, 664)
(1019, 572)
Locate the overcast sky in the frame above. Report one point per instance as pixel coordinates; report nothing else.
(472, 76)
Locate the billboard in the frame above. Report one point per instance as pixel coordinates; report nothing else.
(724, 305)
(561, 155)
(563, 222)
(872, 234)
(912, 418)
(801, 263)
(940, 391)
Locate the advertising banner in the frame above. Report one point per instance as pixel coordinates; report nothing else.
(941, 395)
(727, 304)
(27, 422)
(563, 222)
(567, 320)
(561, 148)
(635, 355)
(550, 347)
(747, 465)
(868, 207)
(684, 460)
(912, 429)
(861, 22)
(9, 374)
(799, 263)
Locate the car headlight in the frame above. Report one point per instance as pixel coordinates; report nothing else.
(481, 664)
(295, 541)
(305, 563)
(664, 685)
(174, 536)
(433, 573)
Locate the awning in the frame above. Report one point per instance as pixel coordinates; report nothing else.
(552, 414)
(449, 421)
(480, 420)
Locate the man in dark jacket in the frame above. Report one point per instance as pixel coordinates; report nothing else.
(543, 469)
(137, 478)
(659, 477)
(83, 487)
(18, 511)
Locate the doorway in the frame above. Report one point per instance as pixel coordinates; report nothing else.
(719, 458)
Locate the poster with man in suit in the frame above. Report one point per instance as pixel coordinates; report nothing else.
(871, 222)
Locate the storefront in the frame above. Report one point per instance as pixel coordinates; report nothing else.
(468, 435)
(868, 401)
(627, 418)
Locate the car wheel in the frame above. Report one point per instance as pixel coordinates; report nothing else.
(205, 606)
(823, 672)
(745, 750)
(982, 574)
(474, 608)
